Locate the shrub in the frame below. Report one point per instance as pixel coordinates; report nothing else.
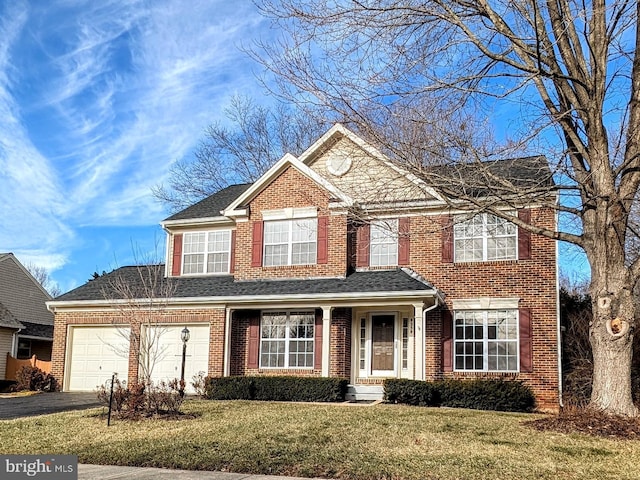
(120, 394)
(34, 379)
(488, 394)
(139, 400)
(198, 383)
(229, 388)
(411, 392)
(164, 397)
(481, 394)
(284, 388)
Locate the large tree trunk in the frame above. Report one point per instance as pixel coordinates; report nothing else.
(611, 335)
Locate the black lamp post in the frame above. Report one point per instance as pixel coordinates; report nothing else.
(184, 335)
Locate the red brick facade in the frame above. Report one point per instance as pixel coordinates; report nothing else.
(214, 317)
(531, 281)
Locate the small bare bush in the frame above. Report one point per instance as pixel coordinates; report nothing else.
(34, 379)
(141, 400)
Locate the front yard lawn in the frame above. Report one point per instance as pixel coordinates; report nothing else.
(336, 441)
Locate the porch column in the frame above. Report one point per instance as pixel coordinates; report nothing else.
(419, 340)
(326, 338)
(226, 368)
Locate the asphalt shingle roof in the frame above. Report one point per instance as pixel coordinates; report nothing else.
(7, 319)
(37, 330)
(398, 280)
(531, 174)
(212, 205)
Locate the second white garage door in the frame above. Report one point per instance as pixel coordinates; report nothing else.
(169, 357)
(95, 354)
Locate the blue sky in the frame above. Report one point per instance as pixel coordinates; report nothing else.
(97, 100)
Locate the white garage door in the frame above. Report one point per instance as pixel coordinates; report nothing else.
(169, 353)
(96, 353)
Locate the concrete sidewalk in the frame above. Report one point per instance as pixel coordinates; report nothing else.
(106, 472)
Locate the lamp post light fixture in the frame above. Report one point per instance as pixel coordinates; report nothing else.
(184, 335)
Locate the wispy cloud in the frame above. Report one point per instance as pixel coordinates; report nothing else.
(30, 196)
(98, 99)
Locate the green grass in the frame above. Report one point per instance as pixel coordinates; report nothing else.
(350, 442)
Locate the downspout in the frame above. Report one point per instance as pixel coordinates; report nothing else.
(14, 339)
(423, 354)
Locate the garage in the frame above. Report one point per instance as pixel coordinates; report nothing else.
(95, 354)
(168, 360)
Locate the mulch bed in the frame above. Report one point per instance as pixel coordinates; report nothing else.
(590, 422)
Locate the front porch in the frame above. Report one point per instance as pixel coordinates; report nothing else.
(363, 342)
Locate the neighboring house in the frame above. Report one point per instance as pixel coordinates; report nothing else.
(337, 263)
(26, 325)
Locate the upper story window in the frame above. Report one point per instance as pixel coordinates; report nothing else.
(485, 237)
(486, 341)
(384, 243)
(290, 242)
(206, 252)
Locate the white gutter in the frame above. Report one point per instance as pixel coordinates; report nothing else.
(435, 305)
(14, 347)
(195, 221)
(248, 299)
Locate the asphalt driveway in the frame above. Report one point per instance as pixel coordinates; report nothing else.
(44, 403)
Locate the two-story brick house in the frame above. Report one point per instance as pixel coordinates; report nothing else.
(337, 263)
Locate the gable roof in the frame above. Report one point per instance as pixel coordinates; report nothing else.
(21, 294)
(280, 166)
(379, 283)
(339, 131)
(211, 206)
(7, 320)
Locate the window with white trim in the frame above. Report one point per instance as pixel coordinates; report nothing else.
(290, 242)
(384, 243)
(486, 340)
(206, 252)
(287, 339)
(485, 237)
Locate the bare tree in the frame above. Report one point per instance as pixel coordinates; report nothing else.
(43, 277)
(257, 138)
(140, 294)
(568, 71)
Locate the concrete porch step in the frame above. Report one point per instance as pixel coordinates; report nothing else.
(364, 392)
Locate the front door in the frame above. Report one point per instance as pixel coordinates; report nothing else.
(382, 343)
